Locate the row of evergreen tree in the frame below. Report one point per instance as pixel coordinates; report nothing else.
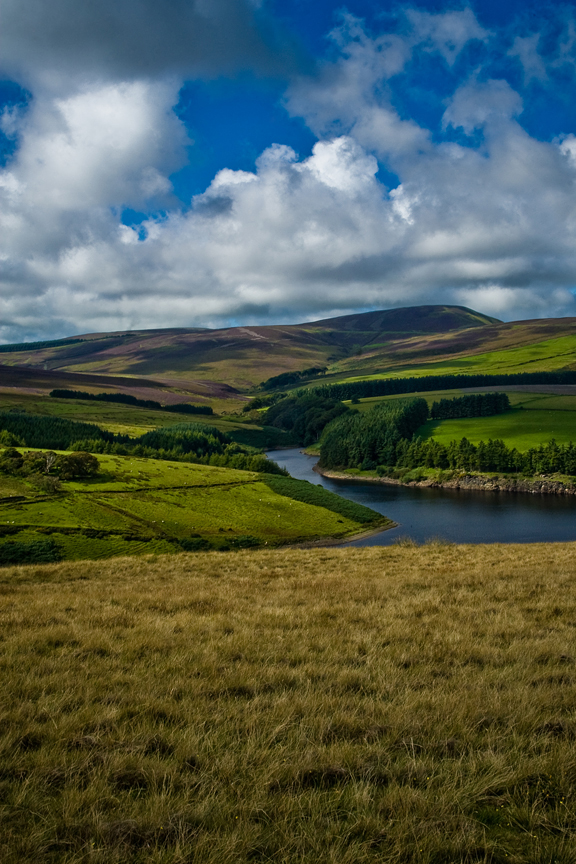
(128, 399)
(383, 439)
(306, 416)
(492, 455)
(35, 346)
(392, 386)
(188, 442)
(53, 433)
(286, 379)
(472, 405)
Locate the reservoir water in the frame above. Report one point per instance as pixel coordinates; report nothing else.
(456, 515)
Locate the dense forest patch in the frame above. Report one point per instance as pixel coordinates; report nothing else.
(384, 439)
(190, 442)
(128, 399)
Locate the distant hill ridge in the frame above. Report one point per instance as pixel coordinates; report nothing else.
(406, 319)
(201, 365)
(410, 320)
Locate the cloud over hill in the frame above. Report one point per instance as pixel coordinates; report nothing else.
(386, 210)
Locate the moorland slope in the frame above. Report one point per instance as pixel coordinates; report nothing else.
(204, 360)
(517, 346)
(220, 367)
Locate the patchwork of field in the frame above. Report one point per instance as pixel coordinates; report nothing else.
(129, 420)
(396, 704)
(220, 367)
(35, 378)
(535, 418)
(146, 505)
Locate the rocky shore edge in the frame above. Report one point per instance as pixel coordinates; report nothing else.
(477, 482)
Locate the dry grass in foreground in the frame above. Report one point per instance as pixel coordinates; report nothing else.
(361, 705)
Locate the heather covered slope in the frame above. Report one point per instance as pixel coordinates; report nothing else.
(40, 380)
(517, 346)
(409, 321)
(241, 356)
(220, 366)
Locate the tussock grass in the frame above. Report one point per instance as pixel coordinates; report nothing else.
(399, 704)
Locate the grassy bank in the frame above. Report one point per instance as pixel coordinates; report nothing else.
(137, 506)
(389, 704)
(553, 484)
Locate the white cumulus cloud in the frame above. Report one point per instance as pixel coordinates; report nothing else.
(491, 225)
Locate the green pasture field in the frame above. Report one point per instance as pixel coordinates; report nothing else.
(145, 505)
(118, 418)
(534, 419)
(517, 428)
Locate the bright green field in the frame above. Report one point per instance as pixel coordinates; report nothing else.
(534, 419)
(520, 428)
(548, 355)
(125, 419)
(517, 428)
(145, 505)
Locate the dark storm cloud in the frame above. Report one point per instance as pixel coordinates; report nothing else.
(125, 39)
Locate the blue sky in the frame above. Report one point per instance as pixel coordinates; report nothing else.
(236, 161)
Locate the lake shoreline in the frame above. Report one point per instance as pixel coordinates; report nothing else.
(455, 515)
(474, 482)
(322, 542)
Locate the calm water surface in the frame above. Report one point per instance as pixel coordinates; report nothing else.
(456, 515)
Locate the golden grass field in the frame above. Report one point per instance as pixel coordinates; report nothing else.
(398, 704)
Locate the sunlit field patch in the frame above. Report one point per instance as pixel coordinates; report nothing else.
(534, 419)
(517, 428)
(118, 418)
(137, 505)
(542, 356)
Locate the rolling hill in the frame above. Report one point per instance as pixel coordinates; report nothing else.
(204, 362)
(517, 346)
(222, 366)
